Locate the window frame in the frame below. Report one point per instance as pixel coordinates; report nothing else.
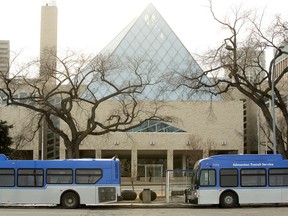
(229, 175)
(99, 176)
(5, 174)
(252, 174)
(275, 174)
(28, 174)
(59, 175)
(208, 185)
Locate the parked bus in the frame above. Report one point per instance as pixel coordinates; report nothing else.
(67, 182)
(231, 180)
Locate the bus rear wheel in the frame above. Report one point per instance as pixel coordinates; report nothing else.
(228, 200)
(70, 200)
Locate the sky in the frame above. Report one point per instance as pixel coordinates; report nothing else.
(89, 25)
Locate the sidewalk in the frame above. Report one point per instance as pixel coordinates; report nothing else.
(160, 201)
(176, 202)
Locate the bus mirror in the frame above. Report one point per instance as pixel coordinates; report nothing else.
(197, 182)
(115, 157)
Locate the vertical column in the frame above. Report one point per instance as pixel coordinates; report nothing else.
(48, 51)
(48, 40)
(134, 163)
(184, 159)
(35, 152)
(98, 153)
(62, 150)
(169, 159)
(205, 152)
(43, 140)
(241, 150)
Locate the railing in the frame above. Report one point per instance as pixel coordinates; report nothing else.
(177, 181)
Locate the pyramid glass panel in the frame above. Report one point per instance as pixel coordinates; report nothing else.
(155, 126)
(151, 39)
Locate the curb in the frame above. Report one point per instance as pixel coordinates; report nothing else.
(143, 205)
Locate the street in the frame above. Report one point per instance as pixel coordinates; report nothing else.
(112, 211)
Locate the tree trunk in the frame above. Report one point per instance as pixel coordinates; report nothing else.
(280, 144)
(72, 150)
(280, 148)
(132, 182)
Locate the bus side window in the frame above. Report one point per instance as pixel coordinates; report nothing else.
(278, 177)
(88, 176)
(7, 177)
(228, 177)
(207, 177)
(253, 177)
(59, 176)
(30, 177)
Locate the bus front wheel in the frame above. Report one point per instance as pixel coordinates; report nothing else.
(228, 200)
(70, 200)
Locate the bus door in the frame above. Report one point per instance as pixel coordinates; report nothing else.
(207, 186)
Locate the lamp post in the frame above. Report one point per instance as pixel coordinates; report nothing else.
(273, 102)
(273, 108)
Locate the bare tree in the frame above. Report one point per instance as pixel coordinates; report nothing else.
(25, 133)
(241, 57)
(196, 146)
(77, 89)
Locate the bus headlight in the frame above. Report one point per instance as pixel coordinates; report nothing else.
(192, 195)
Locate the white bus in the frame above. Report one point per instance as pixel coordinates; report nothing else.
(231, 180)
(66, 182)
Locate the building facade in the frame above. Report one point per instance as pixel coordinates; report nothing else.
(202, 125)
(4, 56)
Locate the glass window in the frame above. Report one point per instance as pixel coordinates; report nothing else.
(278, 177)
(23, 97)
(7, 178)
(228, 177)
(88, 176)
(59, 176)
(155, 126)
(3, 98)
(207, 177)
(30, 177)
(253, 177)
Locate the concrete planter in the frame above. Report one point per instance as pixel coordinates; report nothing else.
(128, 195)
(153, 196)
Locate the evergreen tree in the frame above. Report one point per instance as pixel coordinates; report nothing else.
(5, 139)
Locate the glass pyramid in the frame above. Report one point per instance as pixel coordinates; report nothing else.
(149, 38)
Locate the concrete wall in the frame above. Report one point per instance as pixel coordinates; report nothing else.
(209, 126)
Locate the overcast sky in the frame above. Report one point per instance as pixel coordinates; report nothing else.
(89, 25)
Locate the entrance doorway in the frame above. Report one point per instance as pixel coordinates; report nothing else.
(152, 172)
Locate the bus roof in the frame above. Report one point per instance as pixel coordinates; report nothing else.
(250, 157)
(3, 157)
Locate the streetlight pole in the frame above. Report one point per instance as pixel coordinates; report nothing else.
(258, 131)
(273, 102)
(273, 107)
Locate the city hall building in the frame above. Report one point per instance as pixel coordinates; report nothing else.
(202, 124)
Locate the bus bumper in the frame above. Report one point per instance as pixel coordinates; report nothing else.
(192, 196)
(193, 201)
